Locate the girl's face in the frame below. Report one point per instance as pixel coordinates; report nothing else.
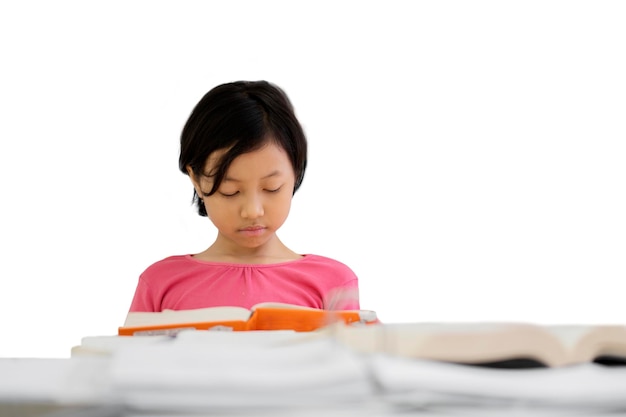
(254, 198)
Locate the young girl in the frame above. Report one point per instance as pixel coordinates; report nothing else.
(245, 153)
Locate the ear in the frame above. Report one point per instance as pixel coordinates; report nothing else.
(194, 180)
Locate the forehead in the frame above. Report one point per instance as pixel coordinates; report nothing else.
(269, 157)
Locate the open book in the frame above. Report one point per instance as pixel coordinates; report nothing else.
(263, 316)
(503, 345)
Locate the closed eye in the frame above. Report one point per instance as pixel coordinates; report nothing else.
(274, 190)
(228, 195)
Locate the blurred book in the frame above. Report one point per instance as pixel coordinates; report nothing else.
(505, 345)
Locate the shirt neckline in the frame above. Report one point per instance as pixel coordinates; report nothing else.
(190, 257)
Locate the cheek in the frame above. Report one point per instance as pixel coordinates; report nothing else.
(283, 206)
(215, 212)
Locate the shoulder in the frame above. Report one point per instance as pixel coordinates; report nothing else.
(167, 266)
(324, 260)
(329, 264)
(170, 260)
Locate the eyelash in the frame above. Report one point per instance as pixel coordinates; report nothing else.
(235, 193)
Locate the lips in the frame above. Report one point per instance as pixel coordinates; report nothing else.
(252, 231)
(252, 228)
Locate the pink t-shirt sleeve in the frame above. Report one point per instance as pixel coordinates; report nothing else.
(143, 300)
(345, 297)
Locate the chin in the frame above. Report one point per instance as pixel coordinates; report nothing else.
(254, 244)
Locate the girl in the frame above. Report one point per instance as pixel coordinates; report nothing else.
(245, 153)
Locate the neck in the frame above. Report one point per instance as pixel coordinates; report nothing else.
(225, 250)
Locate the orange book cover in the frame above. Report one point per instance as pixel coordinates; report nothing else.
(272, 318)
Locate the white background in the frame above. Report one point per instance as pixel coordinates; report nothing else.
(467, 158)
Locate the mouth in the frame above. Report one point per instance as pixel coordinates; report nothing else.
(253, 230)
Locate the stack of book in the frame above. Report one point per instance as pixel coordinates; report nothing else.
(231, 359)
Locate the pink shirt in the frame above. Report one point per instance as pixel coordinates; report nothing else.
(183, 282)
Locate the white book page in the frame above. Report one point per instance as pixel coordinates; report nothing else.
(135, 319)
(275, 304)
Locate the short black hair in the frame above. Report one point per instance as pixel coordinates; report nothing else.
(241, 116)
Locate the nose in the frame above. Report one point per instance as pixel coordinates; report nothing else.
(252, 207)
